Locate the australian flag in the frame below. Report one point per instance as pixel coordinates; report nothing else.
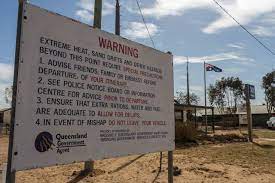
(210, 67)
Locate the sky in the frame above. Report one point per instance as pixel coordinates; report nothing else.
(196, 29)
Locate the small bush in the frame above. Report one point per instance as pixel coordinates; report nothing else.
(185, 132)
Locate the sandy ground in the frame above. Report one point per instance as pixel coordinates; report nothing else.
(212, 162)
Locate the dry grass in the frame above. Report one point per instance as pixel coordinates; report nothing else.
(222, 157)
(262, 133)
(185, 132)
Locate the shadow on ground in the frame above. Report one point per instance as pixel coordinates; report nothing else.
(80, 175)
(126, 164)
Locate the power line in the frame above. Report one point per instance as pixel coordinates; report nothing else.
(143, 19)
(253, 36)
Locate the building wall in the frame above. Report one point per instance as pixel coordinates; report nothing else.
(259, 120)
(243, 119)
(7, 117)
(1, 117)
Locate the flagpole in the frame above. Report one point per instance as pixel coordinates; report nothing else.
(205, 100)
(187, 77)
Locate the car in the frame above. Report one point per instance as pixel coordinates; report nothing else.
(271, 122)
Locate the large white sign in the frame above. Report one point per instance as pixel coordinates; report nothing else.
(85, 94)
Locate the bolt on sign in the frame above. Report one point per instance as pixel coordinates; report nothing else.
(85, 94)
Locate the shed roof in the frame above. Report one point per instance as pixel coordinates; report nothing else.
(4, 109)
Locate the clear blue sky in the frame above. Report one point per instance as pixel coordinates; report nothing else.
(194, 28)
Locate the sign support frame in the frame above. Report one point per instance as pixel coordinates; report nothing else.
(170, 167)
(10, 176)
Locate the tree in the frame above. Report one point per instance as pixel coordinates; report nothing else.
(226, 93)
(182, 98)
(8, 94)
(216, 96)
(269, 95)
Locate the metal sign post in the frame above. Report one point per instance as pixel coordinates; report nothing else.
(170, 166)
(10, 175)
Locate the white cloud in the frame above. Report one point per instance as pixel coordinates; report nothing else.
(137, 30)
(245, 11)
(6, 75)
(268, 19)
(212, 58)
(163, 8)
(86, 10)
(84, 15)
(196, 88)
(193, 88)
(263, 31)
(6, 72)
(234, 70)
(3, 103)
(236, 45)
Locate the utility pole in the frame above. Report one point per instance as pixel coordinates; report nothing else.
(117, 26)
(188, 91)
(187, 76)
(89, 165)
(248, 112)
(97, 13)
(205, 100)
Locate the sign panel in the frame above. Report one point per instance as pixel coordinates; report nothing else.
(85, 94)
(251, 91)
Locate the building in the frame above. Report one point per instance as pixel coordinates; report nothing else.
(259, 115)
(5, 116)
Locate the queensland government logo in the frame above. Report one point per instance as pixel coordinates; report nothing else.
(43, 142)
(64, 142)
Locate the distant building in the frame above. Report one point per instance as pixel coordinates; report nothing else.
(5, 116)
(259, 116)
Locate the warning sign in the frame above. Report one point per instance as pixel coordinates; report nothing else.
(85, 94)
